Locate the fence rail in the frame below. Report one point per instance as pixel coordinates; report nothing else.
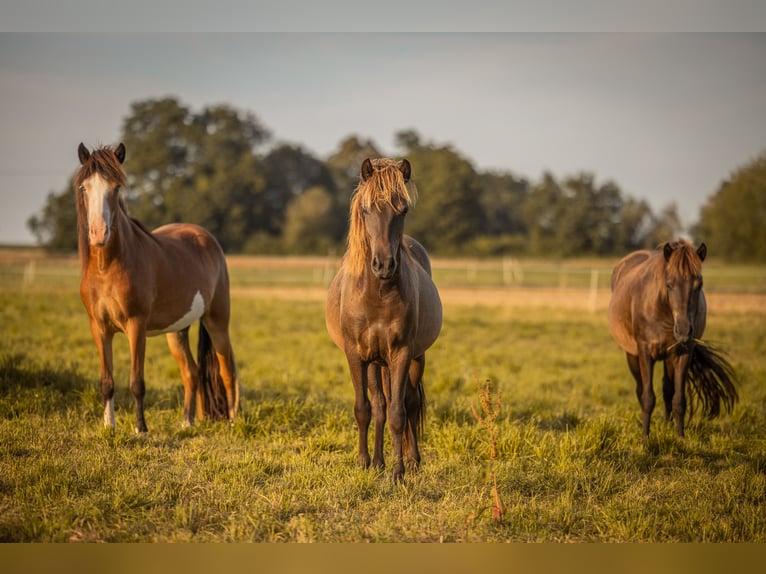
(27, 271)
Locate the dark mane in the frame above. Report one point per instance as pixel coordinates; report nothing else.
(684, 261)
(104, 162)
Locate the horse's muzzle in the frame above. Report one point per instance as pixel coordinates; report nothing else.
(383, 267)
(683, 332)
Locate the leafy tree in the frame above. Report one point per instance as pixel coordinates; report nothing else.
(312, 224)
(56, 225)
(448, 212)
(732, 220)
(665, 227)
(288, 171)
(634, 226)
(200, 168)
(344, 165)
(541, 211)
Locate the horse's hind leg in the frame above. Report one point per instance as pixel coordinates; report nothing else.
(217, 324)
(668, 387)
(414, 402)
(179, 348)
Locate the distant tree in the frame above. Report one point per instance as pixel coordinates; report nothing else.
(312, 224)
(634, 226)
(195, 167)
(541, 210)
(344, 165)
(502, 200)
(732, 220)
(56, 224)
(448, 213)
(181, 166)
(288, 172)
(666, 226)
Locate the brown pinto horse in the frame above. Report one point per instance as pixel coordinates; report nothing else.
(384, 312)
(146, 283)
(658, 313)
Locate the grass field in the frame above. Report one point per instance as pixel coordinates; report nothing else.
(571, 463)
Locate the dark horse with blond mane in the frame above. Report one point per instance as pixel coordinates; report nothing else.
(658, 313)
(146, 283)
(384, 312)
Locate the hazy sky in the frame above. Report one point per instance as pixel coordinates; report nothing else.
(667, 116)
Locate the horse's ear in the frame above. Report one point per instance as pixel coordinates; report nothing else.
(83, 153)
(406, 169)
(120, 152)
(367, 169)
(702, 251)
(667, 250)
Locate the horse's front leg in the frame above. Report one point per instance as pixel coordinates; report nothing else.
(647, 397)
(362, 407)
(399, 366)
(377, 378)
(103, 340)
(137, 339)
(680, 369)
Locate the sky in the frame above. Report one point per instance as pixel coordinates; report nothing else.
(667, 111)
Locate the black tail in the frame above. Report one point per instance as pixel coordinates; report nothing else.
(712, 377)
(211, 389)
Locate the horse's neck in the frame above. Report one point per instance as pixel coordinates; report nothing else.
(122, 247)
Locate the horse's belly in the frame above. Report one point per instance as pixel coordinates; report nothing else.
(194, 313)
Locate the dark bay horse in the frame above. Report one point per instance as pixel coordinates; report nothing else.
(144, 283)
(384, 312)
(658, 313)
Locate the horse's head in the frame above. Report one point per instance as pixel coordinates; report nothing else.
(378, 210)
(683, 283)
(97, 186)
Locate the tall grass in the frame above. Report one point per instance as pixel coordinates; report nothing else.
(571, 464)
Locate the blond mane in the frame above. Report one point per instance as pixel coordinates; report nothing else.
(385, 186)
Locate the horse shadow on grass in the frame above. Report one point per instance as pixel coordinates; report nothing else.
(27, 387)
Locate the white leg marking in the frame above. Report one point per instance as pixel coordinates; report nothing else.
(109, 414)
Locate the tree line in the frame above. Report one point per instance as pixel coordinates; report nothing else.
(219, 168)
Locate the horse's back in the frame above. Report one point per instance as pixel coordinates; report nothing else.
(429, 302)
(191, 259)
(332, 308)
(626, 283)
(418, 253)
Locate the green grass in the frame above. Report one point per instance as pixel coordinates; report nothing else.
(571, 467)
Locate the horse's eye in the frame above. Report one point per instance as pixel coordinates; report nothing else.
(81, 189)
(404, 210)
(669, 286)
(117, 189)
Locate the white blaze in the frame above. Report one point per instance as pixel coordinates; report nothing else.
(99, 214)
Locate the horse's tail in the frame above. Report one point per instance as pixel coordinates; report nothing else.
(211, 389)
(712, 378)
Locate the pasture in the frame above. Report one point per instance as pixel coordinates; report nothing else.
(571, 465)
